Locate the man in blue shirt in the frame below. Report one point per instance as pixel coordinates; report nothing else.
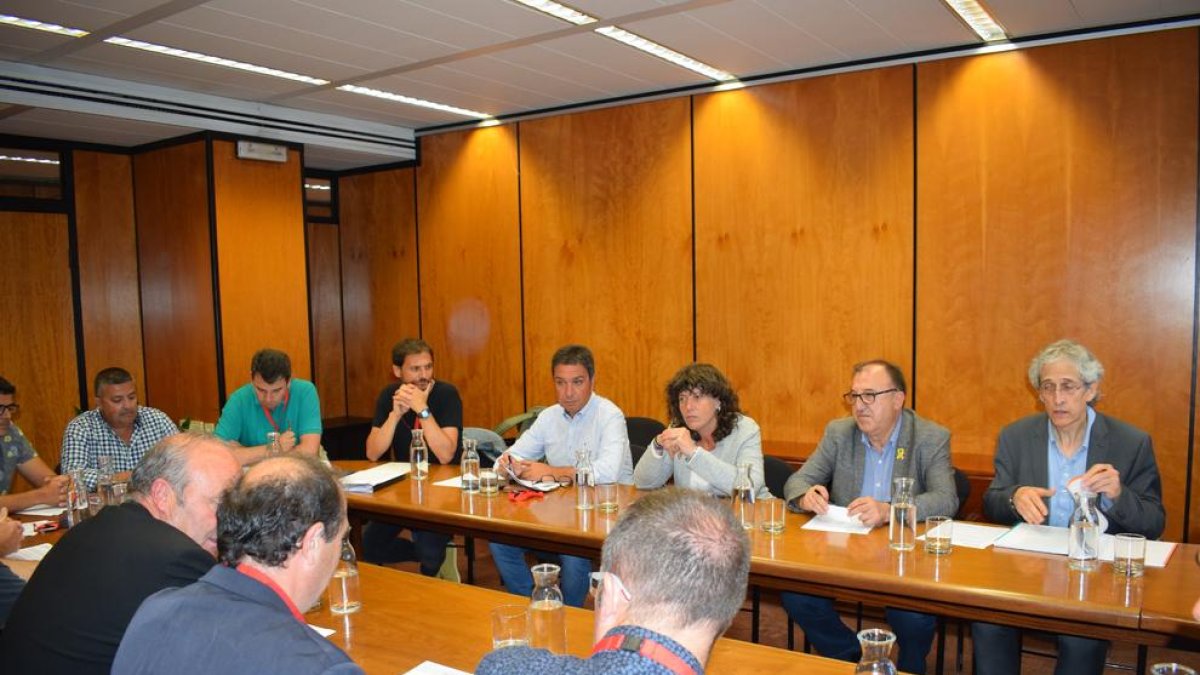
(853, 466)
(17, 455)
(272, 402)
(1038, 456)
(581, 420)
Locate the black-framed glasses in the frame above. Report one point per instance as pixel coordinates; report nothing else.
(867, 397)
(12, 408)
(561, 481)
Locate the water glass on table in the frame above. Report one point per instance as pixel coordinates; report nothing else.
(939, 535)
(770, 515)
(510, 626)
(606, 497)
(1129, 554)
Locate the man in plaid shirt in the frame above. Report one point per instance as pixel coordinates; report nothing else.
(117, 427)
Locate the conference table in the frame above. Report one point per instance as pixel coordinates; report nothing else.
(407, 619)
(1019, 588)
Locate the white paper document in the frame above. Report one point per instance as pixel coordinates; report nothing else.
(431, 668)
(43, 510)
(837, 519)
(972, 535)
(323, 632)
(455, 482)
(370, 480)
(1047, 539)
(31, 553)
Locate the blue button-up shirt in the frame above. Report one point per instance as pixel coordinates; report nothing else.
(1061, 469)
(878, 465)
(599, 426)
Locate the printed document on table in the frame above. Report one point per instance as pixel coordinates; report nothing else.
(1036, 538)
(370, 480)
(43, 510)
(455, 482)
(971, 535)
(31, 553)
(837, 519)
(431, 668)
(323, 632)
(1157, 552)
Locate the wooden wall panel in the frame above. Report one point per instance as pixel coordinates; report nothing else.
(606, 227)
(261, 260)
(325, 302)
(108, 267)
(804, 242)
(471, 268)
(37, 352)
(379, 278)
(1057, 198)
(176, 277)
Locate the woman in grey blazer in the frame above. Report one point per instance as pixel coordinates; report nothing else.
(708, 437)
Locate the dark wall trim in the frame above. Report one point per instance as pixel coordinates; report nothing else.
(521, 273)
(406, 164)
(1189, 480)
(912, 375)
(216, 276)
(35, 205)
(692, 187)
(68, 188)
(36, 143)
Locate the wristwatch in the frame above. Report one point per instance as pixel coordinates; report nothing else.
(424, 414)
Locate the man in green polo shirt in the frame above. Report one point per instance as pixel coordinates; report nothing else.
(272, 402)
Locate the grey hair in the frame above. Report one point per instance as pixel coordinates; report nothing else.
(168, 460)
(697, 569)
(1089, 366)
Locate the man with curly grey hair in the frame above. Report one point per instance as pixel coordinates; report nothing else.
(279, 534)
(1039, 456)
(659, 607)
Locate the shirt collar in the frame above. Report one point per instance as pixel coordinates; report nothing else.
(583, 412)
(892, 437)
(1087, 434)
(267, 581)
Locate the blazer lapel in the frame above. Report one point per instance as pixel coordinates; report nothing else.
(903, 466)
(1098, 449)
(859, 453)
(1040, 442)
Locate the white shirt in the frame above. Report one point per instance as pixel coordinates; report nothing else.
(599, 425)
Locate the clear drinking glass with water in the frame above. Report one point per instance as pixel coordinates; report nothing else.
(344, 597)
(418, 455)
(743, 497)
(470, 466)
(902, 527)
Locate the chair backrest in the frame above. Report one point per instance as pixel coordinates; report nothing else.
(489, 444)
(963, 487)
(635, 452)
(777, 472)
(642, 431)
(522, 421)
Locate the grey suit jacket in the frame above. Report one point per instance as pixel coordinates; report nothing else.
(1021, 459)
(840, 456)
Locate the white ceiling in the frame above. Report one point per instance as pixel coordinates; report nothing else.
(493, 56)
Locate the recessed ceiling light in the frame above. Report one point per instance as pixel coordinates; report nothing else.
(571, 15)
(978, 19)
(39, 25)
(31, 160)
(399, 98)
(214, 60)
(317, 186)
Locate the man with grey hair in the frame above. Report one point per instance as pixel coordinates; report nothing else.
(280, 538)
(660, 607)
(75, 608)
(1039, 456)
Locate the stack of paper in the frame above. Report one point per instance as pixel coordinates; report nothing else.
(973, 535)
(370, 480)
(1047, 539)
(836, 519)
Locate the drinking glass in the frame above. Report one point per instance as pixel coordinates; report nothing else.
(510, 626)
(606, 497)
(939, 534)
(1129, 554)
(770, 515)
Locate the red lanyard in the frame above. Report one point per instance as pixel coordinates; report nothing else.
(271, 418)
(647, 647)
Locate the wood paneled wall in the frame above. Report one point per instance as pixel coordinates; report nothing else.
(176, 277)
(379, 278)
(1052, 207)
(261, 260)
(37, 352)
(804, 240)
(606, 247)
(106, 235)
(471, 268)
(325, 303)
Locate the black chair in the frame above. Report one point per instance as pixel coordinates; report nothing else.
(636, 451)
(642, 431)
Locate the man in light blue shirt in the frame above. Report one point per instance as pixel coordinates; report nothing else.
(581, 420)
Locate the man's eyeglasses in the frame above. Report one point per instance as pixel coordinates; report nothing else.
(548, 480)
(13, 408)
(867, 397)
(596, 584)
(1068, 388)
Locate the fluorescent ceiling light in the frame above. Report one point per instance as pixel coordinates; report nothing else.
(317, 186)
(38, 25)
(399, 98)
(978, 19)
(237, 65)
(561, 11)
(32, 160)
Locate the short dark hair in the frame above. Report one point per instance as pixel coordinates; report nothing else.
(265, 519)
(270, 365)
(408, 347)
(698, 566)
(7, 388)
(706, 379)
(892, 369)
(574, 355)
(110, 376)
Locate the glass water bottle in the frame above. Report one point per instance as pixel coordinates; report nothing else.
(547, 618)
(902, 523)
(585, 480)
(743, 497)
(343, 587)
(1083, 544)
(418, 455)
(470, 466)
(876, 646)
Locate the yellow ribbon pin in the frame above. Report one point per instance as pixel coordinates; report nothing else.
(900, 453)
